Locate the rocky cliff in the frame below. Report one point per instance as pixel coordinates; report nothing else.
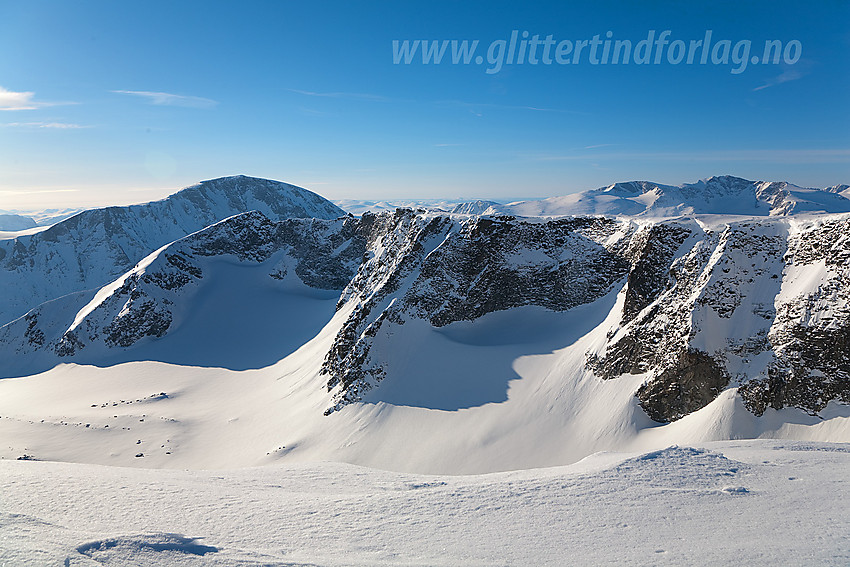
(759, 305)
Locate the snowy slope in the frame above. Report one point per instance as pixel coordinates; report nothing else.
(732, 503)
(717, 195)
(96, 246)
(192, 417)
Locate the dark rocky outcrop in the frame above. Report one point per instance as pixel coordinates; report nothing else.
(683, 388)
(651, 252)
(811, 334)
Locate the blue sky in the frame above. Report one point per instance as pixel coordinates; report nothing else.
(118, 102)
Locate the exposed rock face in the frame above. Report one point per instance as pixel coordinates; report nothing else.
(397, 245)
(733, 312)
(442, 269)
(478, 207)
(693, 381)
(654, 332)
(708, 310)
(496, 264)
(650, 252)
(811, 332)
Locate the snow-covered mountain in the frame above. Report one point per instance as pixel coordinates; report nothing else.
(478, 207)
(360, 206)
(95, 246)
(12, 222)
(725, 195)
(842, 189)
(242, 293)
(447, 343)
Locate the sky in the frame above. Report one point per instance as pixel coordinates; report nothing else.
(119, 102)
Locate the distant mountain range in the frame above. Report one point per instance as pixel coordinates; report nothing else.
(724, 195)
(13, 221)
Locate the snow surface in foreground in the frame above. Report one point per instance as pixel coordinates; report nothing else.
(732, 503)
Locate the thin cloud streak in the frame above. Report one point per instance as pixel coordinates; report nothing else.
(471, 106)
(4, 192)
(12, 100)
(48, 125)
(353, 96)
(785, 77)
(784, 156)
(313, 112)
(170, 99)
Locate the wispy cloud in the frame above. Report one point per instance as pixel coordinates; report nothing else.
(354, 96)
(3, 192)
(786, 76)
(313, 112)
(475, 107)
(49, 125)
(12, 100)
(169, 99)
(599, 146)
(775, 156)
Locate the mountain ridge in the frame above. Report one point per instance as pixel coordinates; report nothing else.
(95, 246)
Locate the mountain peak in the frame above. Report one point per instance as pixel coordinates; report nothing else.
(243, 183)
(237, 178)
(841, 188)
(240, 193)
(726, 180)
